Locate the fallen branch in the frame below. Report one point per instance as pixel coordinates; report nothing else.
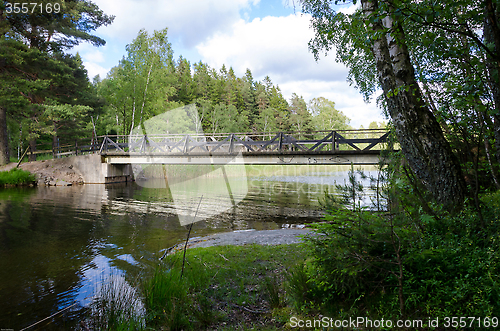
(250, 310)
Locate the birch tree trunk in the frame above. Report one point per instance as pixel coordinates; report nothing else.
(491, 32)
(422, 142)
(145, 92)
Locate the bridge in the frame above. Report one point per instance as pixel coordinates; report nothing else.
(107, 159)
(360, 147)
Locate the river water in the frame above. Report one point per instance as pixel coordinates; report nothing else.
(59, 245)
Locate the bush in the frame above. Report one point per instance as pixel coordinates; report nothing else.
(454, 271)
(16, 177)
(386, 264)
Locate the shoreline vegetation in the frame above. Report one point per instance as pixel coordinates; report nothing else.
(221, 288)
(17, 177)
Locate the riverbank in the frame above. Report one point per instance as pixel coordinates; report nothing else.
(229, 287)
(55, 172)
(16, 177)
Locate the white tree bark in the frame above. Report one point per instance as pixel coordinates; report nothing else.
(422, 141)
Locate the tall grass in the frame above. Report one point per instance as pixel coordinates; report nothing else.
(16, 176)
(167, 300)
(116, 306)
(227, 286)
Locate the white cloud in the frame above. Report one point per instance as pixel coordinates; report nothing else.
(189, 21)
(93, 58)
(277, 47)
(92, 55)
(274, 46)
(349, 8)
(94, 69)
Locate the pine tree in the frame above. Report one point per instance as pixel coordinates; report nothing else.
(47, 33)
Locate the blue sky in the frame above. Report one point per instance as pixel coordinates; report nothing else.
(267, 36)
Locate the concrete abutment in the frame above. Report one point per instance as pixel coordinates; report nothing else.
(95, 170)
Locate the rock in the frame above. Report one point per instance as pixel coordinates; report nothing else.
(62, 183)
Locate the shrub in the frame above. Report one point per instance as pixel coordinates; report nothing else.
(16, 176)
(454, 271)
(390, 263)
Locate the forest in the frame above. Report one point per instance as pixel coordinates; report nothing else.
(46, 96)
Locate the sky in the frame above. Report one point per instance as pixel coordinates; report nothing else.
(269, 37)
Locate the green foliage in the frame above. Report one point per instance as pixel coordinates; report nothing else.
(218, 282)
(37, 73)
(166, 299)
(301, 288)
(388, 264)
(300, 118)
(272, 286)
(454, 270)
(16, 176)
(326, 117)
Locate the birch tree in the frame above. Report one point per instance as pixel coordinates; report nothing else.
(379, 32)
(326, 116)
(142, 85)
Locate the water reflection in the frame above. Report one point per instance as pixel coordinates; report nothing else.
(58, 245)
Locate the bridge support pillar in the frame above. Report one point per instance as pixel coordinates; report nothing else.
(95, 170)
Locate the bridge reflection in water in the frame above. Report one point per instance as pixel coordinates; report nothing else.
(359, 147)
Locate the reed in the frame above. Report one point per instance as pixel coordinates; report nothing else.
(116, 306)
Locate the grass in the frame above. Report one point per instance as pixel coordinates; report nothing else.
(116, 306)
(16, 177)
(223, 288)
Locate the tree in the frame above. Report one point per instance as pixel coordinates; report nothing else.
(300, 118)
(184, 85)
(248, 94)
(419, 134)
(326, 117)
(144, 83)
(52, 30)
(267, 121)
(35, 83)
(46, 33)
(279, 103)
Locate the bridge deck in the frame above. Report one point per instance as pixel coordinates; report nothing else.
(280, 158)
